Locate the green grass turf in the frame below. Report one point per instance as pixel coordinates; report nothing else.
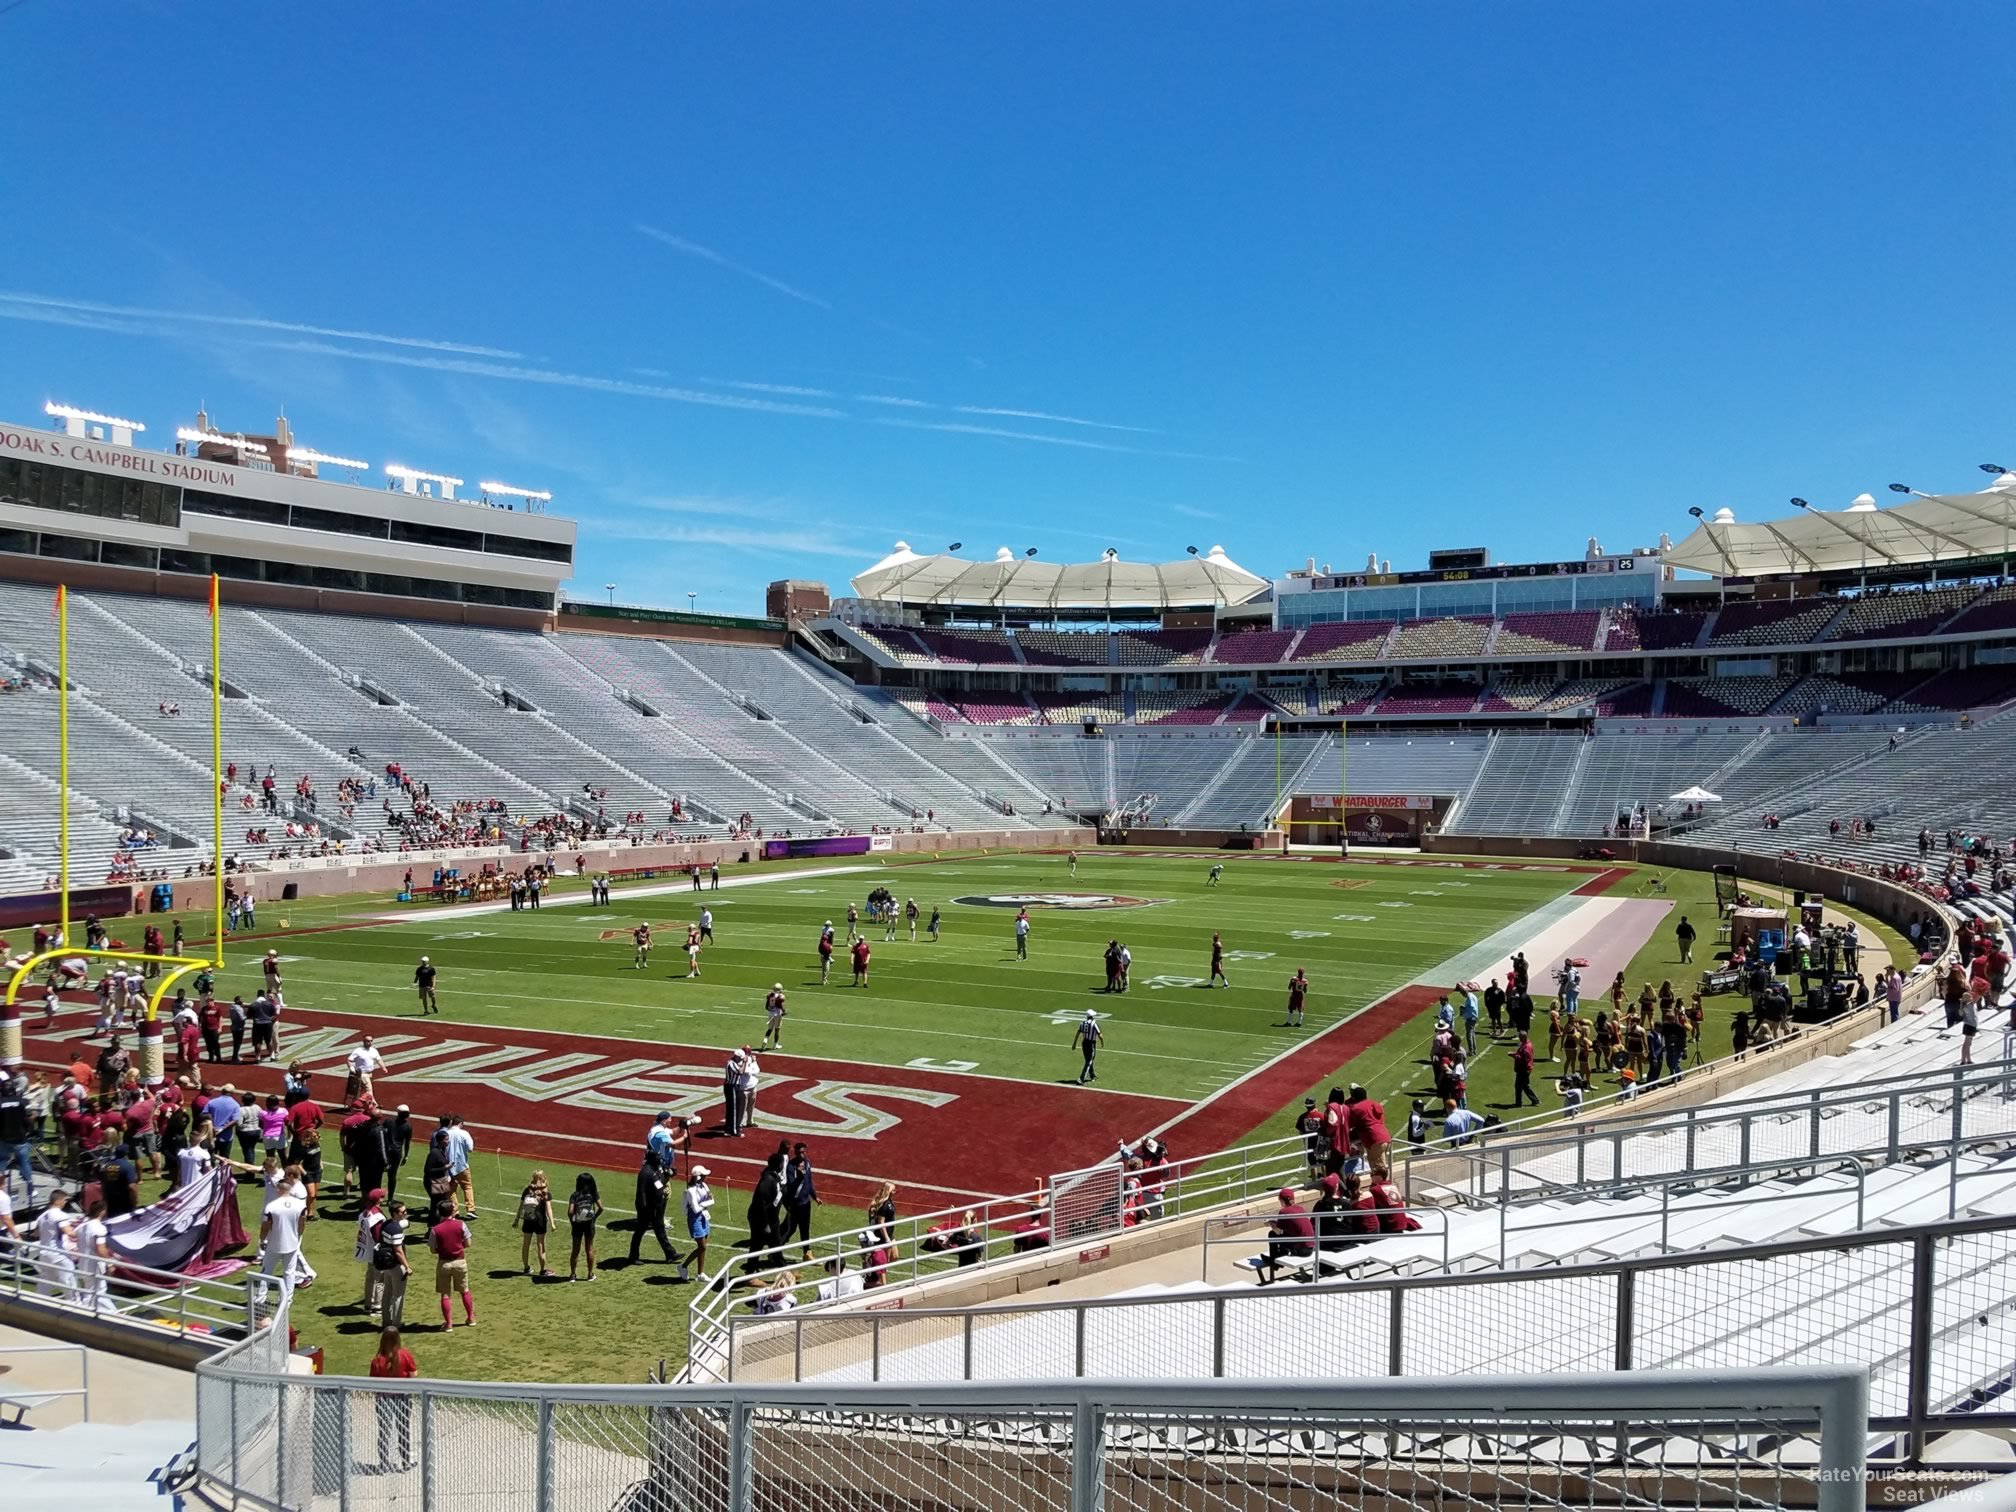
(965, 998)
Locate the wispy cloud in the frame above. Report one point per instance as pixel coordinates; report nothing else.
(708, 254)
(806, 542)
(1192, 511)
(894, 399)
(643, 372)
(249, 322)
(515, 374)
(1023, 414)
(770, 388)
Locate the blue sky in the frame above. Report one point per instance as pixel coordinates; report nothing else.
(759, 289)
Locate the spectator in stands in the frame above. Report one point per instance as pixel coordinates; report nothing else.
(1290, 1234)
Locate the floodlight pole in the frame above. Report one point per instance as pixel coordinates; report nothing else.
(217, 768)
(63, 758)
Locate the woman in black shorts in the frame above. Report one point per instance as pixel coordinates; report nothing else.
(535, 1217)
(583, 1209)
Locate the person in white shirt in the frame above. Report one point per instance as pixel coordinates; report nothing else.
(699, 1219)
(279, 1244)
(281, 1184)
(365, 1062)
(56, 1271)
(93, 1250)
(7, 1213)
(838, 1282)
(745, 1090)
(193, 1160)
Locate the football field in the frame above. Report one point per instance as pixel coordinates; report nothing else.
(952, 1072)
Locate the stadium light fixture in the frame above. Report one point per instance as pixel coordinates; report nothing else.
(416, 476)
(955, 545)
(610, 589)
(213, 438)
(1990, 467)
(89, 417)
(535, 494)
(1030, 552)
(692, 602)
(1191, 549)
(1695, 510)
(323, 459)
(1801, 504)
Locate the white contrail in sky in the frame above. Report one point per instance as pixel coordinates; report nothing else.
(249, 322)
(708, 254)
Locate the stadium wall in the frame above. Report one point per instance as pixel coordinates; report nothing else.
(94, 576)
(325, 877)
(1892, 902)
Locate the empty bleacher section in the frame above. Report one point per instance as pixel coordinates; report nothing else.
(1621, 771)
(1441, 639)
(1160, 648)
(1253, 648)
(1354, 643)
(1180, 708)
(1895, 616)
(1430, 698)
(1720, 697)
(1671, 630)
(1518, 791)
(966, 647)
(1995, 610)
(1064, 648)
(1772, 622)
(1541, 634)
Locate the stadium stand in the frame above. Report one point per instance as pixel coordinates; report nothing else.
(1719, 697)
(1160, 648)
(1065, 648)
(1426, 698)
(1772, 622)
(1180, 708)
(1441, 639)
(1353, 642)
(1542, 634)
(1520, 786)
(1669, 630)
(1898, 616)
(1253, 648)
(970, 648)
(1994, 611)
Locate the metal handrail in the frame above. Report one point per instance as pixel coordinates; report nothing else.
(81, 1389)
(1961, 1083)
(139, 1293)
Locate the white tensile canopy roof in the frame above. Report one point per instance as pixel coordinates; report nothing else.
(1695, 794)
(1927, 529)
(1012, 582)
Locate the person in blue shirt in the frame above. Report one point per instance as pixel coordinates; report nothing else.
(1464, 1124)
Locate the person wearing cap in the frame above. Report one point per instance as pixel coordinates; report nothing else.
(369, 1223)
(270, 966)
(731, 1082)
(773, 1026)
(369, 1148)
(1310, 1127)
(1290, 1234)
(699, 1219)
(745, 1091)
(423, 984)
(1086, 1038)
(659, 1140)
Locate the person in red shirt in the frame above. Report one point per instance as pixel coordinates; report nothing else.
(1290, 1234)
(302, 1117)
(1389, 1203)
(449, 1239)
(141, 1135)
(395, 1409)
(1366, 1119)
(1522, 1073)
(860, 952)
(362, 1112)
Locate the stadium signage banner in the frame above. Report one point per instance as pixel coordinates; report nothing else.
(1387, 801)
(830, 845)
(384, 858)
(61, 448)
(1477, 574)
(26, 909)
